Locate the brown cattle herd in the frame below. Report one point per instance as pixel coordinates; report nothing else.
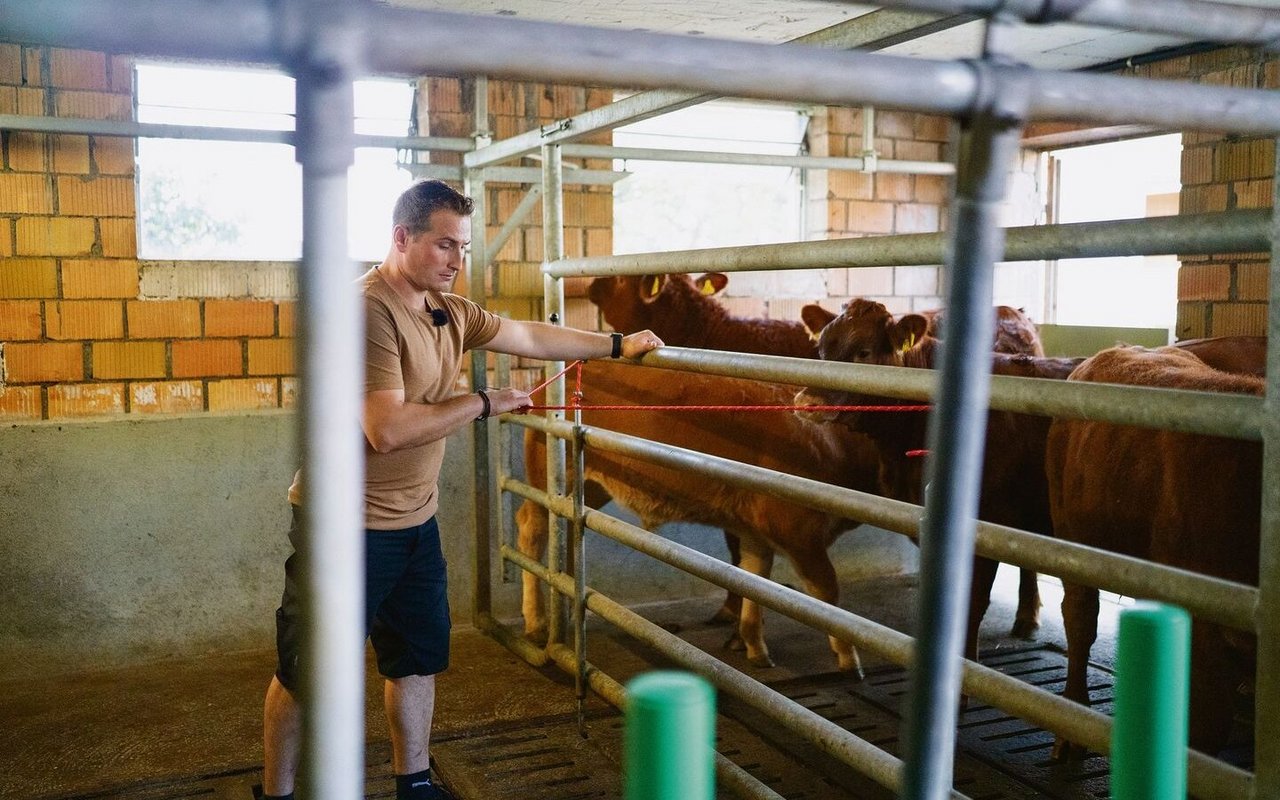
(1183, 500)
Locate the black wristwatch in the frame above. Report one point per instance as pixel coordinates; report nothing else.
(617, 345)
(484, 398)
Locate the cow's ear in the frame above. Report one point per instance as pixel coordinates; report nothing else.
(651, 287)
(711, 284)
(815, 318)
(907, 331)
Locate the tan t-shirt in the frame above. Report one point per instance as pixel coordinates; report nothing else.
(405, 350)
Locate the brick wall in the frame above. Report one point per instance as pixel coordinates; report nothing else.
(876, 204)
(86, 329)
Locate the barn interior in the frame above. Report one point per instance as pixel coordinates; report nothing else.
(152, 356)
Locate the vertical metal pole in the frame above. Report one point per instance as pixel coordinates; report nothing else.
(332, 364)
(1267, 692)
(482, 591)
(957, 431)
(506, 527)
(553, 302)
(579, 571)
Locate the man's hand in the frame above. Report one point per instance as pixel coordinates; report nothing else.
(635, 345)
(503, 400)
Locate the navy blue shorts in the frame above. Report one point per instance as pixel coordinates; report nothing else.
(406, 610)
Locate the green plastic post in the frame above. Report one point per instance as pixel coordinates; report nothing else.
(670, 737)
(1149, 740)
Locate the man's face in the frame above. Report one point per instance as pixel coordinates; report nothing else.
(433, 258)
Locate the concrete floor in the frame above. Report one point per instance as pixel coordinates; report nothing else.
(98, 731)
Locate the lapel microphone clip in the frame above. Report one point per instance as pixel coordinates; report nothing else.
(439, 317)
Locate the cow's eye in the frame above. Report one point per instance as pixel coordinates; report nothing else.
(864, 355)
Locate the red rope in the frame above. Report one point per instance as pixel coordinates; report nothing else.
(916, 453)
(577, 394)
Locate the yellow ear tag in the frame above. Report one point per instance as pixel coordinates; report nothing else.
(910, 343)
(707, 288)
(657, 287)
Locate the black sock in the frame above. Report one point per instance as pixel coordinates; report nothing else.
(412, 787)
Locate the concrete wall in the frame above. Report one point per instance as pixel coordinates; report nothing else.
(124, 541)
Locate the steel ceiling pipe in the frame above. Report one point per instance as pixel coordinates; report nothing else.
(1226, 232)
(754, 159)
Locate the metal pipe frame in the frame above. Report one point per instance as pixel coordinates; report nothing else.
(483, 511)
(758, 159)
(1233, 416)
(553, 307)
(1210, 598)
(330, 352)
(513, 222)
(1193, 234)
(1207, 777)
(1194, 19)
(506, 530)
(823, 734)
(406, 41)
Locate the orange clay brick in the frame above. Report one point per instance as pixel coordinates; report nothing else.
(55, 236)
(35, 70)
(1239, 319)
(10, 63)
(1252, 281)
(200, 359)
(31, 102)
(163, 319)
(8, 100)
(120, 69)
(286, 319)
(85, 400)
(92, 105)
(239, 318)
(271, 356)
(119, 237)
(95, 197)
(99, 277)
(166, 397)
(128, 360)
(77, 69)
(28, 277)
(113, 155)
(599, 241)
(6, 238)
(43, 361)
(870, 217)
(849, 185)
(84, 319)
(239, 395)
(28, 152)
(19, 403)
(19, 319)
(22, 193)
(71, 155)
(1204, 282)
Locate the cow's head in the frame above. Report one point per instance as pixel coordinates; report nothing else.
(633, 302)
(863, 333)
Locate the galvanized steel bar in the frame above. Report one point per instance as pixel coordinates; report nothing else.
(1193, 234)
(407, 41)
(866, 31)
(755, 159)
(483, 510)
(506, 524)
(152, 130)
(553, 307)
(579, 595)
(331, 353)
(956, 437)
(513, 222)
(823, 734)
(1210, 598)
(1267, 693)
(1194, 19)
(1230, 415)
(1207, 777)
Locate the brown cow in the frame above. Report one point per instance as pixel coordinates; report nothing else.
(763, 524)
(1242, 355)
(1013, 491)
(1179, 499)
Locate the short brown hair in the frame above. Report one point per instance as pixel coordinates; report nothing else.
(416, 204)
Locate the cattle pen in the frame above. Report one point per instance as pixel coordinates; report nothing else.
(325, 45)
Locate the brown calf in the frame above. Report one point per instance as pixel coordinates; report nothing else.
(1179, 499)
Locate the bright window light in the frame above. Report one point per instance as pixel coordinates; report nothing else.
(209, 200)
(1119, 180)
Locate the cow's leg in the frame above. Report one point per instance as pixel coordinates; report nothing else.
(732, 608)
(1080, 619)
(984, 577)
(758, 560)
(1027, 621)
(1213, 682)
(820, 581)
(531, 524)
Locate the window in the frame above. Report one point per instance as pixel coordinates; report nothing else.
(1119, 180)
(667, 205)
(210, 200)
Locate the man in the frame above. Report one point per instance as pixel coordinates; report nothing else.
(416, 334)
